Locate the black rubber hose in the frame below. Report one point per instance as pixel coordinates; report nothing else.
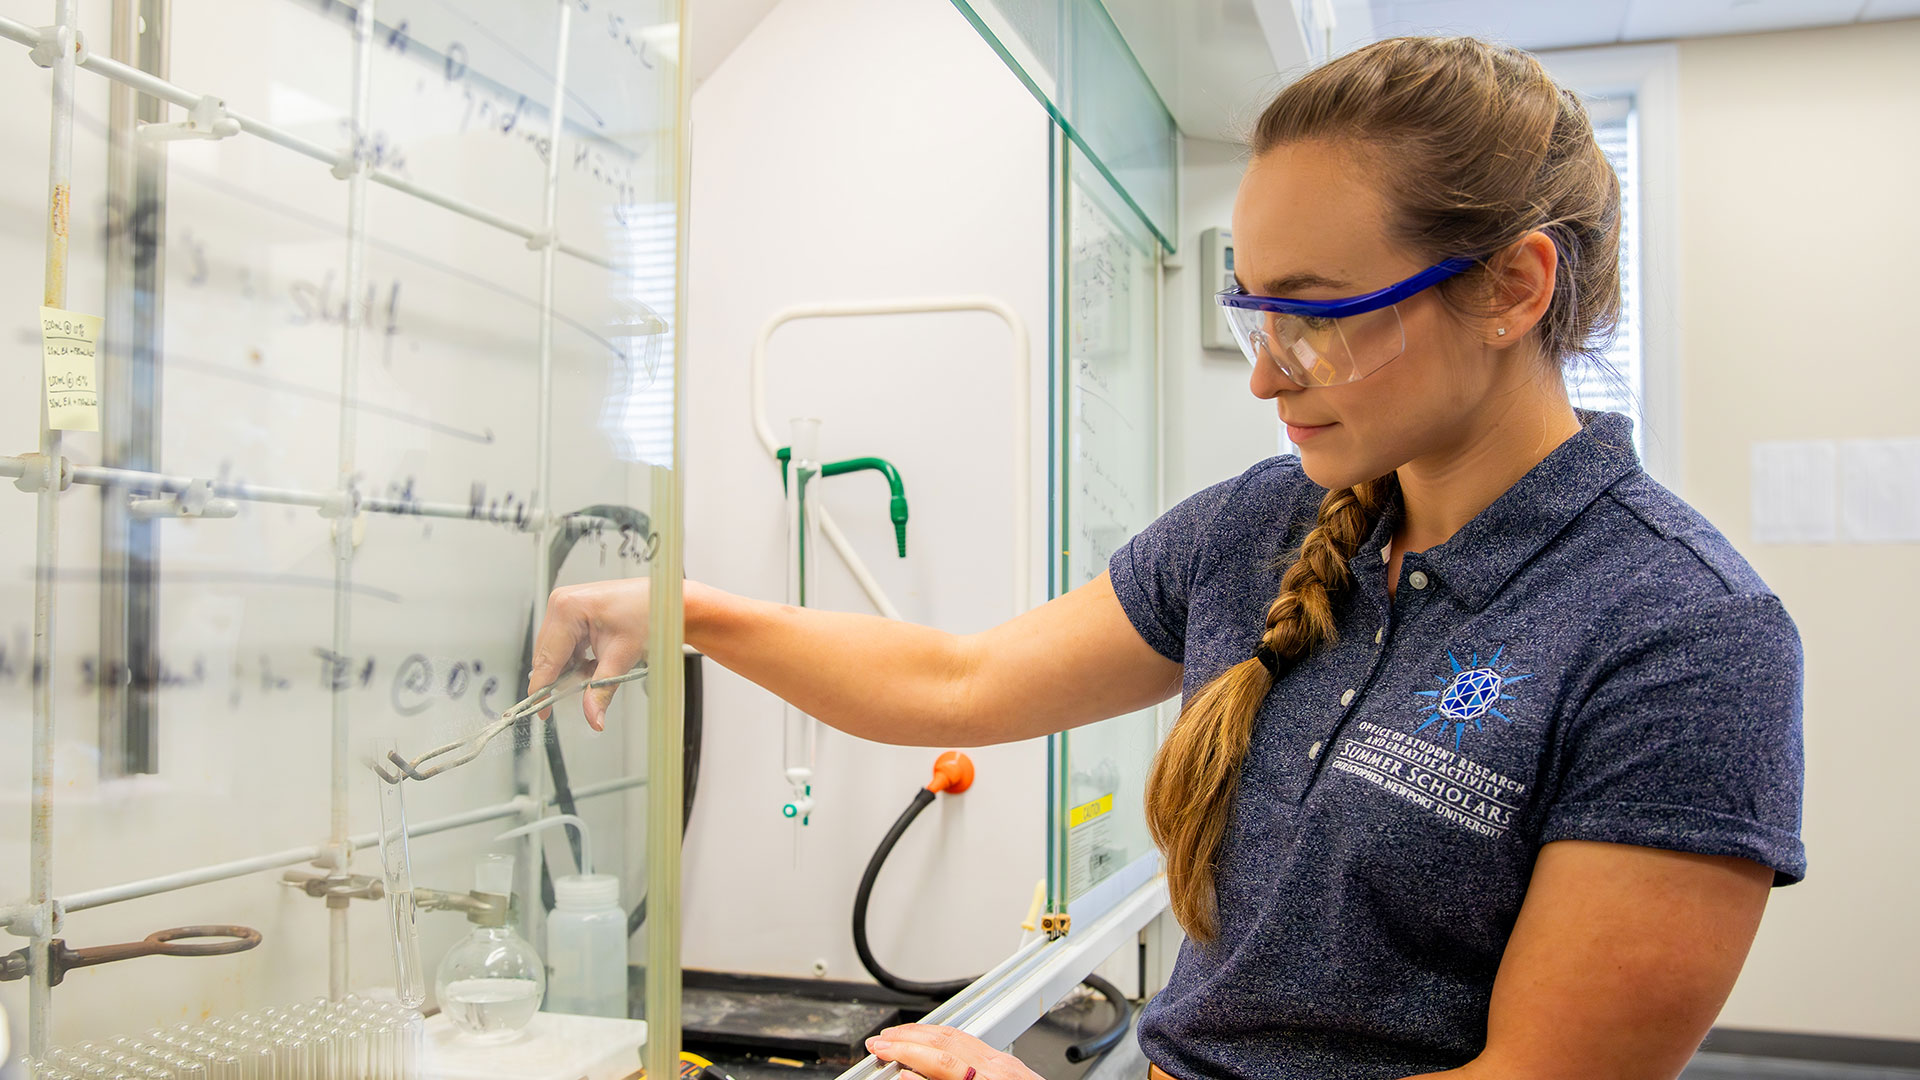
(1084, 1050)
(564, 540)
(937, 990)
(1088, 1049)
(696, 708)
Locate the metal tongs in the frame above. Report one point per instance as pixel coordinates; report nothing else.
(461, 751)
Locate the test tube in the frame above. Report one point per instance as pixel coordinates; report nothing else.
(800, 732)
(255, 1063)
(409, 978)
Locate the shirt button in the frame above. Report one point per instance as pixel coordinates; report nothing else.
(1346, 698)
(1417, 579)
(1380, 635)
(1313, 752)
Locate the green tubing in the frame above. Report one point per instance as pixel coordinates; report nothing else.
(897, 507)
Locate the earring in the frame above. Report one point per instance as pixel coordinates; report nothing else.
(1502, 332)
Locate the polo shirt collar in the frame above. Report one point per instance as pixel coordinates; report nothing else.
(1479, 559)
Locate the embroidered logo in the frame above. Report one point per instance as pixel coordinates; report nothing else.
(1471, 693)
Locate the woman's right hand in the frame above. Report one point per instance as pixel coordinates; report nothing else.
(604, 624)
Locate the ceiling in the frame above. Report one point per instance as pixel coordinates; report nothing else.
(1213, 60)
(717, 27)
(1560, 24)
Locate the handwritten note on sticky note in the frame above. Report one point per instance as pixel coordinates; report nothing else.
(73, 396)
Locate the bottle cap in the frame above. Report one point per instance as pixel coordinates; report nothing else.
(582, 892)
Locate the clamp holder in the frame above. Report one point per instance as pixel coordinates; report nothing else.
(338, 890)
(207, 119)
(34, 920)
(42, 472)
(196, 502)
(55, 40)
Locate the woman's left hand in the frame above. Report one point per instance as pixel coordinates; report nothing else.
(941, 1053)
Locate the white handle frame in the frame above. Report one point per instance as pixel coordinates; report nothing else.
(1022, 425)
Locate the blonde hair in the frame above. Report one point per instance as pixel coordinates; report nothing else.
(1476, 147)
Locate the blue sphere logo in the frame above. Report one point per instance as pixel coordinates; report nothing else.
(1472, 692)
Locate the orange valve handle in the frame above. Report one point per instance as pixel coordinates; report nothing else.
(952, 773)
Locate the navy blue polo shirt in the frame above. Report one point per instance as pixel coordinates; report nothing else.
(1586, 659)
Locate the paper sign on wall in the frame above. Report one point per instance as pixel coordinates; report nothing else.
(1880, 491)
(1794, 492)
(68, 341)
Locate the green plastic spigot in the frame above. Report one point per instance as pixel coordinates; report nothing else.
(899, 510)
(896, 508)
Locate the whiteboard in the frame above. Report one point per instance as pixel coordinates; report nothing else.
(249, 244)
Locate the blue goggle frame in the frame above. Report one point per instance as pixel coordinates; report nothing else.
(1433, 275)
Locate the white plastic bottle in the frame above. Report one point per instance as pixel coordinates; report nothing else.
(587, 947)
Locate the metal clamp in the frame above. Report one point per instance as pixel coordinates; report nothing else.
(61, 959)
(461, 751)
(338, 890)
(1055, 925)
(480, 908)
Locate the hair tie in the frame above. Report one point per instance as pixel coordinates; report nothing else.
(1268, 659)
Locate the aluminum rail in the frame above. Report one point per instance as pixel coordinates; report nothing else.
(1022, 425)
(275, 860)
(1011, 998)
(956, 1010)
(64, 42)
(175, 94)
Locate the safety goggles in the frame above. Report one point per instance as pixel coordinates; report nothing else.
(1324, 342)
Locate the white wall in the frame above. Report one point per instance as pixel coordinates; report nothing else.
(1797, 227)
(1217, 429)
(862, 149)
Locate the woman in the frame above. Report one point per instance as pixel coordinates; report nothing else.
(1491, 746)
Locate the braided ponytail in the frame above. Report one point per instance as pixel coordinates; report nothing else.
(1190, 791)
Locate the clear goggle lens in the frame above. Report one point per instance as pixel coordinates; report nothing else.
(1319, 352)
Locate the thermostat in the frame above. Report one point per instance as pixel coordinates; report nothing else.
(1216, 273)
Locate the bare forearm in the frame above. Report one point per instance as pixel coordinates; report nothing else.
(1072, 660)
(872, 677)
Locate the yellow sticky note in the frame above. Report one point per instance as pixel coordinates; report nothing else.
(68, 341)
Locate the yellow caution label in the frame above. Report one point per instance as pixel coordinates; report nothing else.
(1086, 812)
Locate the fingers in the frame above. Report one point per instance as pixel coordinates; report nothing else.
(942, 1053)
(562, 640)
(606, 618)
(920, 1058)
(617, 656)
